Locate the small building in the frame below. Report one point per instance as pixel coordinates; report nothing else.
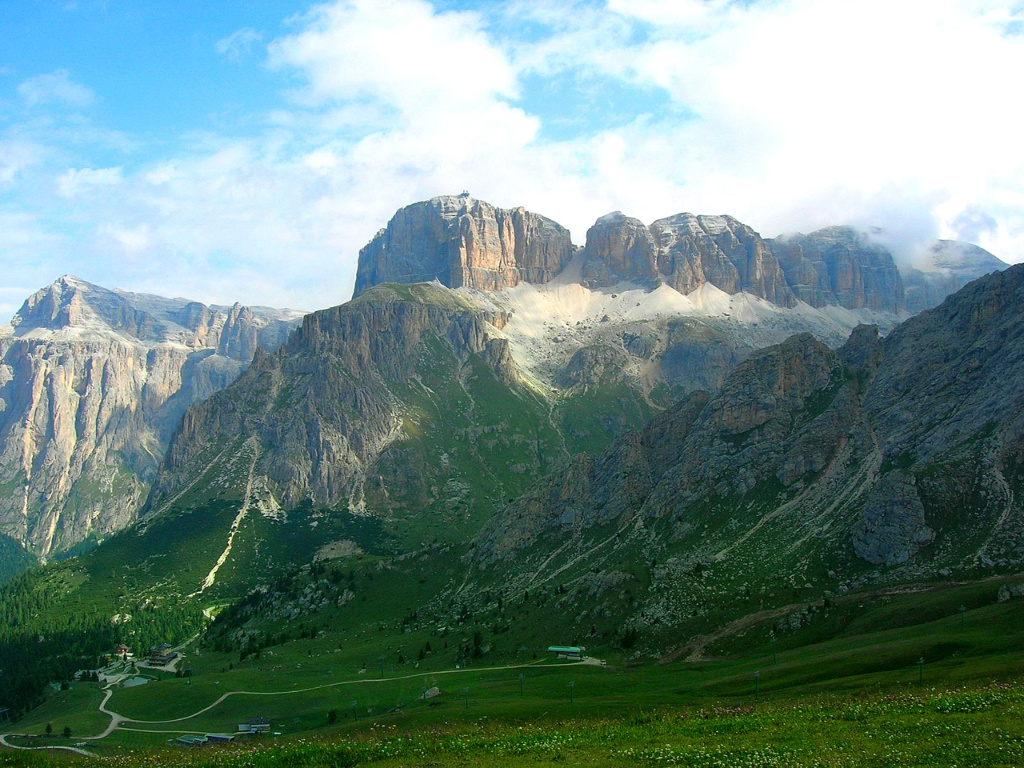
(192, 740)
(220, 738)
(123, 652)
(255, 725)
(161, 655)
(571, 652)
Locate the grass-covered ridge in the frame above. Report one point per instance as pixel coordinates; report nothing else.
(430, 294)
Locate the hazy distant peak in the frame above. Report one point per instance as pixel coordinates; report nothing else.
(966, 258)
(71, 304)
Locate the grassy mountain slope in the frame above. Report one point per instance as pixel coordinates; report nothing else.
(810, 474)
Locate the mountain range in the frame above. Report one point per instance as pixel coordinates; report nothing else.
(523, 440)
(481, 350)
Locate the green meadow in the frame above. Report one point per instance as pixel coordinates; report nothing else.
(852, 693)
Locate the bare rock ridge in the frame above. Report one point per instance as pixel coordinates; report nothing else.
(461, 241)
(593, 491)
(619, 248)
(92, 384)
(833, 266)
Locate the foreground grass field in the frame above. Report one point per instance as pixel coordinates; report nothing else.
(849, 689)
(972, 726)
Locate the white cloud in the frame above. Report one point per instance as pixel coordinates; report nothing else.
(792, 114)
(73, 182)
(809, 113)
(132, 241)
(239, 44)
(667, 13)
(55, 88)
(402, 52)
(15, 156)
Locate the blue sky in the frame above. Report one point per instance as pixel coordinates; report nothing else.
(246, 149)
(154, 66)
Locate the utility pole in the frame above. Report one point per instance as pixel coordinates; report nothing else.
(465, 693)
(521, 676)
(757, 684)
(355, 710)
(920, 667)
(775, 641)
(963, 610)
(572, 691)
(382, 658)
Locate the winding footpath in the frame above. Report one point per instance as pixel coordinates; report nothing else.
(117, 721)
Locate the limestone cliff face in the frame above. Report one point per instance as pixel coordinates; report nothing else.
(92, 383)
(839, 266)
(685, 251)
(619, 248)
(460, 241)
(693, 250)
(953, 371)
(758, 428)
(782, 416)
(593, 491)
(463, 242)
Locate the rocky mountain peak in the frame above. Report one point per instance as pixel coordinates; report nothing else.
(464, 242)
(969, 259)
(694, 250)
(75, 308)
(943, 269)
(92, 383)
(840, 266)
(619, 247)
(333, 395)
(59, 305)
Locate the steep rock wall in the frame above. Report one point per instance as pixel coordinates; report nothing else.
(463, 242)
(92, 384)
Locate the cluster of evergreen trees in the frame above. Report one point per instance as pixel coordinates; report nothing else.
(48, 632)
